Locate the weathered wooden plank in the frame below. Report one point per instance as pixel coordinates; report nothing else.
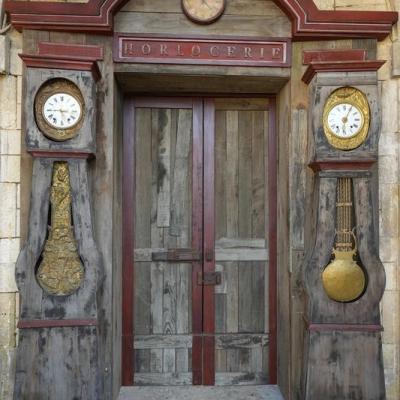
(240, 378)
(169, 360)
(143, 177)
(246, 322)
(247, 243)
(241, 255)
(232, 300)
(142, 360)
(222, 287)
(169, 299)
(244, 360)
(156, 356)
(164, 168)
(220, 312)
(232, 156)
(258, 291)
(182, 360)
(163, 379)
(156, 306)
(241, 104)
(162, 23)
(241, 341)
(142, 303)
(162, 341)
(233, 7)
(220, 174)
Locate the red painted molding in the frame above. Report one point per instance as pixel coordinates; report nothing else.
(55, 323)
(81, 51)
(96, 16)
(333, 55)
(61, 154)
(342, 165)
(59, 62)
(344, 328)
(340, 66)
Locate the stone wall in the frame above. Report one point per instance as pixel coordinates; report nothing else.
(10, 150)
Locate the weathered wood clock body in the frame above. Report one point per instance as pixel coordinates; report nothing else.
(344, 277)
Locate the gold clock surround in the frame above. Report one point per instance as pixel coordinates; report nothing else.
(356, 98)
(191, 8)
(49, 88)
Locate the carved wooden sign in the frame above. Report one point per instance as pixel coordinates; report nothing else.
(242, 52)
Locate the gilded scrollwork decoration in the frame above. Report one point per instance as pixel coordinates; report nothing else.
(61, 271)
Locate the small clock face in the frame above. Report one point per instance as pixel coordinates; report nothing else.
(62, 111)
(59, 109)
(345, 120)
(203, 11)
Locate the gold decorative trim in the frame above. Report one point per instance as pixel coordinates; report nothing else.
(61, 271)
(53, 86)
(354, 97)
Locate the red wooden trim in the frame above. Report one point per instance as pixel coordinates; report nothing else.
(197, 241)
(61, 154)
(55, 323)
(82, 51)
(340, 66)
(308, 22)
(209, 242)
(273, 241)
(128, 201)
(310, 56)
(342, 165)
(58, 62)
(344, 328)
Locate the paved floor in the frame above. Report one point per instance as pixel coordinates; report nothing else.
(200, 393)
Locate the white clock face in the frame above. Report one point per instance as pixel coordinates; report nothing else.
(62, 111)
(345, 120)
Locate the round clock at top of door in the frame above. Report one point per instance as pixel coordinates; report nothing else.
(203, 11)
(346, 118)
(59, 109)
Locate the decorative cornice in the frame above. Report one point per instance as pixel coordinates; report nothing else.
(65, 154)
(62, 56)
(96, 16)
(341, 66)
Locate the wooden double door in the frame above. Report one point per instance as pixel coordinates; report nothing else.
(199, 216)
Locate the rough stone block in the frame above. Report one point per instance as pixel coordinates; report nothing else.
(389, 169)
(390, 317)
(391, 360)
(388, 144)
(389, 102)
(7, 320)
(10, 142)
(8, 100)
(7, 278)
(15, 49)
(10, 168)
(388, 248)
(9, 250)
(391, 276)
(389, 206)
(8, 201)
(7, 372)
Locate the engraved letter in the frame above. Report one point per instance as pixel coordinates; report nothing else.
(231, 51)
(163, 50)
(146, 49)
(180, 53)
(196, 50)
(247, 52)
(214, 51)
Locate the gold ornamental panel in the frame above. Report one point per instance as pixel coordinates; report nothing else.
(60, 272)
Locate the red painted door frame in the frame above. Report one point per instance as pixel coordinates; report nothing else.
(203, 323)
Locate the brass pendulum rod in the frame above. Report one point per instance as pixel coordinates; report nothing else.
(344, 223)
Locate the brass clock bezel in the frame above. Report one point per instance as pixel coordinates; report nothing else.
(356, 98)
(202, 21)
(49, 88)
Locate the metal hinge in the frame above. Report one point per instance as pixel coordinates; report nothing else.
(209, 278)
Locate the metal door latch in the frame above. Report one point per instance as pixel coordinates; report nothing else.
(209, 278)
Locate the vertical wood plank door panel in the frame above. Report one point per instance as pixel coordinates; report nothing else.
(196, 183)
(241, 241)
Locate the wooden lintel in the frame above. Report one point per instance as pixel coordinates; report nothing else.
(62, 154)
(344, 328)
(342, 165)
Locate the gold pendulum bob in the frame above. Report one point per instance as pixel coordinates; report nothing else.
(343, 278)
(60, 272)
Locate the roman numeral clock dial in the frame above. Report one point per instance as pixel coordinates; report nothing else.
(346, 118)
(59, 109)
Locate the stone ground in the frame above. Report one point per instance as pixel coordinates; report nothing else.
(200, 393)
